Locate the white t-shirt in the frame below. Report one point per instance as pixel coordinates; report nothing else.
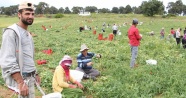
(177, 34)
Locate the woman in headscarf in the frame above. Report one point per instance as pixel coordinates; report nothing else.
(63, 82)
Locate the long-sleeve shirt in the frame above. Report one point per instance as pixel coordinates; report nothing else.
(14, 56)
(133, 35)
(83, 60)
(59, 80)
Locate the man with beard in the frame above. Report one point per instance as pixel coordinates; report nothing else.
(17, 54)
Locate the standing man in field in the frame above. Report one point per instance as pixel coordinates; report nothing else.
(134, 41)
(115, 29)
(17, 54)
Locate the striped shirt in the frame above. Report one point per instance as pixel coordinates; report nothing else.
(83, 60)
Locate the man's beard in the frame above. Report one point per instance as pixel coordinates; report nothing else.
(26, 22)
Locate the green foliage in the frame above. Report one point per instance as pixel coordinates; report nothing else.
(42, 8)
(152, 7)
(168, 16)
(59, 15)
(91, 9)
(176, 8)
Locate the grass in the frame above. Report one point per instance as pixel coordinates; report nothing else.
(117, 80)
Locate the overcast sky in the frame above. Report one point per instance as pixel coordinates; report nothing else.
(83, 3)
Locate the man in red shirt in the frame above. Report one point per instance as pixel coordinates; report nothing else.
(134, 41)
(172, 32)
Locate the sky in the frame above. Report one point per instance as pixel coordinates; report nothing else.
(83, 3)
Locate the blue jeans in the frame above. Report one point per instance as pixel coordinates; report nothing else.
(134, 54)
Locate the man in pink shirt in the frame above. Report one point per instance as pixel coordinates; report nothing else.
(134, 41)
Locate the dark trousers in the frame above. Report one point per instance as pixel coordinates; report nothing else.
(184, 43)
(115, 32)
(81, 28)
(89, 72)
(178, 41)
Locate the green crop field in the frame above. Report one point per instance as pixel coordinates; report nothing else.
(167, 79)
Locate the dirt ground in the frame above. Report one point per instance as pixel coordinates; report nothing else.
(6, 93)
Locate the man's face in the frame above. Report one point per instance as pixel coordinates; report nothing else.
(26, 17)
(85, 51)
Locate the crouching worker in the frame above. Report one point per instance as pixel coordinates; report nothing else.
(85, 63)
(64, 83)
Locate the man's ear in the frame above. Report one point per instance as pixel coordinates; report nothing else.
(19, 15)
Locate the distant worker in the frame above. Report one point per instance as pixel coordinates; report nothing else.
(172, 32)
(115, 29)
(162, 33)
(178, 36)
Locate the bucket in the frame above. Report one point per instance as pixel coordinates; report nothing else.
(111, 37)
(151, 62)
(100, 36)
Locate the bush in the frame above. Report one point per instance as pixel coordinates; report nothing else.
(59, 15)
(168, 15)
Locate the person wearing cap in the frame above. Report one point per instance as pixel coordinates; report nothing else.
(134, 41)
(85, 64)
(17, 54)
(63, 82)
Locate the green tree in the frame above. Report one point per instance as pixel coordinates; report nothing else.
(12, 10)
(137, 10)
(2, 10)
(122, 10)
(67, 11)
(184, 10)
(76, 10)
(175, 8)
(53, 10)
(104, 10)
(128, 9)
(7, 11)
(61, 10)
(115, 10)
(91, 9)
(152, 7)
(41, 8)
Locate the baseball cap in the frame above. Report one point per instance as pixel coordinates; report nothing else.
(135, 21)
(26, 4)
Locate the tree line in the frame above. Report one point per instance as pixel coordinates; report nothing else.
(147, 8)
